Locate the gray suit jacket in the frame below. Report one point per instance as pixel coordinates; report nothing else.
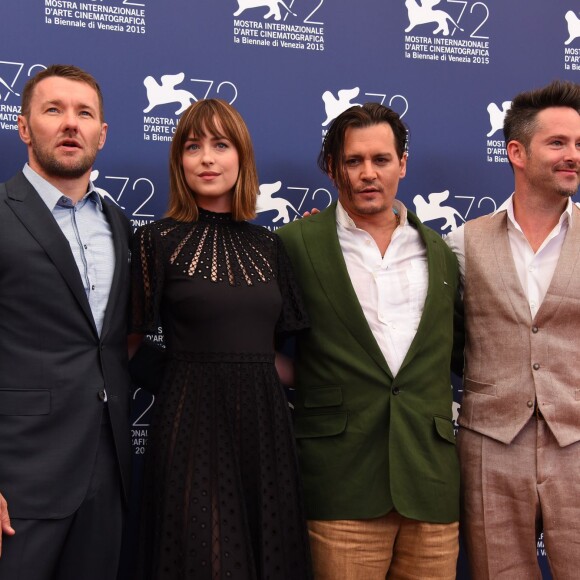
(54, 367)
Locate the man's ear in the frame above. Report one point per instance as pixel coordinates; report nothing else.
(517, 153)
(403, 164)
(23, 129)
(103, 135)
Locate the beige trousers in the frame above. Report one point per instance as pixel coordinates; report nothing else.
(510, 493)
(391, 547)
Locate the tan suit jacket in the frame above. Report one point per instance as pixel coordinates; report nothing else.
(511, 360)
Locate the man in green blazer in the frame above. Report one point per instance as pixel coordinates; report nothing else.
(373, 410)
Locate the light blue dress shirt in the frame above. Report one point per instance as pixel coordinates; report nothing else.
(88, 232)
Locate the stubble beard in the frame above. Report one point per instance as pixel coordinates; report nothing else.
(567, 192)
(55, 167)
(367, 207)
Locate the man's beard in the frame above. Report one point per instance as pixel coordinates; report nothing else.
(568, 192)
(55, 167)
(364, 208)
(564, 191)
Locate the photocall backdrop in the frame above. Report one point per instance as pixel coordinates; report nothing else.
(449, 67)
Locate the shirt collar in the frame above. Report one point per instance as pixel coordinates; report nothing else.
(344, 220)
(52, 196)
(508, 207)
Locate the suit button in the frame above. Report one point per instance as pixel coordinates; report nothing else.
(536, 366)
(395, 391)
(535, 329)
(102, 395)
(530, 404)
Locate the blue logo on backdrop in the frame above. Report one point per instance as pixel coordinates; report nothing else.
(572, 54)
(455, 410)
(573, 26)
(435, 210)
(450, 217)
(173, 100)
(334, 106)
(129, 18)
(289, 27)
(497, 115)
(456, 34)
(344, 99)
(133, 194)
(266, 203)
(165, 93)
(13, 77)
(143, 402)
(273, 6)
(423, 13)
(496, 151)
(291, 204)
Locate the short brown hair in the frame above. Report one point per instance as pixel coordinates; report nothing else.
(65, 71)
(520, 121)
(201, 117)
(330, 159)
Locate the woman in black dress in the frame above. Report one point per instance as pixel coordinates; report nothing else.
(222, 492)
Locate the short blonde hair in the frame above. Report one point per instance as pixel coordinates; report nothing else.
(64, 71)
(203, 117)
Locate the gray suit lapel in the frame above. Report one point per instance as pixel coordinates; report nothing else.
(29, 208)
(120, 244)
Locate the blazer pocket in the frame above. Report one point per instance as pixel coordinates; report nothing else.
(24, 402)
(477, 387)
(322, 425)
(444, 428)
(315, 397)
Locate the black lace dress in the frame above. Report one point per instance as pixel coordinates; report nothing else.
(222, 495)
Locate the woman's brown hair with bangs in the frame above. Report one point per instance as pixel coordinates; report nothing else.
(217, 118)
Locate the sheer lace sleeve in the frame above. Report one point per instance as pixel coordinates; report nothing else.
(293, 316)
(147, 274)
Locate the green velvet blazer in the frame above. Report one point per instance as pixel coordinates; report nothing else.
(368, 442)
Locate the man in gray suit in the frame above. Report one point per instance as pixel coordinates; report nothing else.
(64, 385)
(519, 442)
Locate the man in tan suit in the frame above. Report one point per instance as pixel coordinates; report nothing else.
(519, 442)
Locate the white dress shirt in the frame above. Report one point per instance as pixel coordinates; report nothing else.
(535, 270)
(392, 288)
